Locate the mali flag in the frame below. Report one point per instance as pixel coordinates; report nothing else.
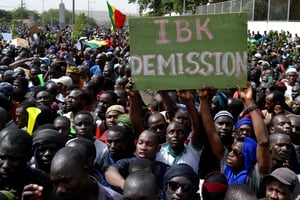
(117, 18)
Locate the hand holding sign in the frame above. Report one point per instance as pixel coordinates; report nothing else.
(184, 52)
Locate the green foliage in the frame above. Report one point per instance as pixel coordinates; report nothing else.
(13, 31)
(52, 17)
(252, 49)
(278, 38)
(5, 16)
(80, 22)
(162, 7)
(20, 13)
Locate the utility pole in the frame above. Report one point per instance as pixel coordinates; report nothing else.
(88, 8)
(43, 21)
(73, 13)
(21, 11)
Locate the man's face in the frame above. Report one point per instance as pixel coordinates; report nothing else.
(224, 127)
(235, 156)
(277, 191)
(44, 155)
(179, 188)
(115, 143)
(68, 181)
(296, 107)
(270, 105)
(182, 116)
(295, 125)
(245, 130)
(100, 59)
(84, 126)
(104, 102)
(111, 118)
(12, 160)
(74, 100)
(281, 123)
(62, 127)
(107, 72)
(75, 77)
(21, 117)
(33, 77)
(176, 135)
(43, 98)
(292, 77)
(147, 146)
(157, 123)
(281, 148)
(18, 88)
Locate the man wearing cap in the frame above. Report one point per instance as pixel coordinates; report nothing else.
(74, 73)
(62, 84)
(111, 116)
(281, 184)
(291, 76)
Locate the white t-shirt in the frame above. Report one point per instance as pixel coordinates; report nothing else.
(190, 156)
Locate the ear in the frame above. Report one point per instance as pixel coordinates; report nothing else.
(272, 130)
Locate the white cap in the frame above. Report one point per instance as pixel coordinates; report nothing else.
(258, 55)
(65, 80)
(291, 70)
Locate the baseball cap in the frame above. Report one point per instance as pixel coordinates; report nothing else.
(118, 108)
(65, 80)
(283, 175)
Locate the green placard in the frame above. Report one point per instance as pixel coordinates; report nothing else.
(188, 52)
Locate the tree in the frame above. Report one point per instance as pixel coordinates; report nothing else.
(162, 7)
(20, 13)
(79, 26)
(5, 16)
(52, 17)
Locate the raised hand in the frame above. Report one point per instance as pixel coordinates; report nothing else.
(185, 95)
(32, 192)
(129, 88)
(206, 92)
(245, 93)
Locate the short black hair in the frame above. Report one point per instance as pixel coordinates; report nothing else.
(240, 191)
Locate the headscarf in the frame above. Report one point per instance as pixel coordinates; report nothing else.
(243, 121)
(182, 170)
(249, 157)
(214, 186)
(48, 136)
(124, 120)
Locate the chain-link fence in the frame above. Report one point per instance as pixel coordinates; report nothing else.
(258, 10)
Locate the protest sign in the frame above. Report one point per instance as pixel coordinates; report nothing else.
(187, 52)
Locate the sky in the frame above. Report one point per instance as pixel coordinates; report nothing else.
(93, 5)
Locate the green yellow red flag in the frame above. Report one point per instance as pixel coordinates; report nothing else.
(117, 18)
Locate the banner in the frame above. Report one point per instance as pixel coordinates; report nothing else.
(188, 52)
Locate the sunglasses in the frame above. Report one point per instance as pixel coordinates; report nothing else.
(236, 152)
(184, 187)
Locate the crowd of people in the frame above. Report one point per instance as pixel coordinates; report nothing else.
(73, 127)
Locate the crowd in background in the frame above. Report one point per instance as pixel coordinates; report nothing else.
(73, 127)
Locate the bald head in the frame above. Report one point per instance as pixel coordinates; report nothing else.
(141, 185)
(240, 191)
